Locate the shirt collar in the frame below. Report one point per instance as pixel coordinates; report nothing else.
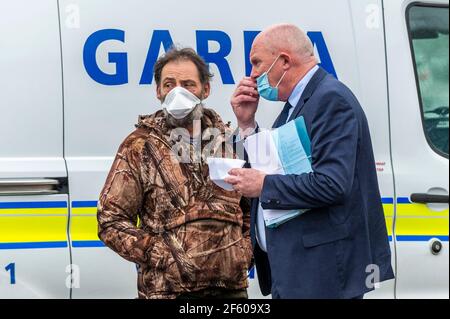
(301, 86)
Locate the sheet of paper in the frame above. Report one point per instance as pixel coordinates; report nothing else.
(281, 152)
(274, 218)
(219, 168)
(292, 154)
(263, 153)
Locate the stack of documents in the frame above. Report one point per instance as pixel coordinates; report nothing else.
(284, 151)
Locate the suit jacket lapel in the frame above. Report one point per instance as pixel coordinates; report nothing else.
(309, 90)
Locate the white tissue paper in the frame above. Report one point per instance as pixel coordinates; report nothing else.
(219, 168)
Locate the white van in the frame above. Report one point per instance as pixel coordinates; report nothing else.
(75, 75)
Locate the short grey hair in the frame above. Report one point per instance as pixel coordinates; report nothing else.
(287, 36)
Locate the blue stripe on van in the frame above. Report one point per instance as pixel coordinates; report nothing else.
(384, 200)
(99, 244)
(421, 238)
(42, 245)
(87, 244)
(84, 204)
(24, 205)
(400, 200)
(403, 200)
(412, 238)
(93, 203)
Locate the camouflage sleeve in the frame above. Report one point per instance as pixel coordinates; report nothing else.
(119, 205)
(245, 206)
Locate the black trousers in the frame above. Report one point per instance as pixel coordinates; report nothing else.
(215, 293)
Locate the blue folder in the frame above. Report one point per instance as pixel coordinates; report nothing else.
(294, 150)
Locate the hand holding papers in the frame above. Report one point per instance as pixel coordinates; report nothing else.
(286, 150)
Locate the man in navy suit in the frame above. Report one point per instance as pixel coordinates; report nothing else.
(339, 247)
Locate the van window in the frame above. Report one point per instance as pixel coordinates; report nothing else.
(428, 31)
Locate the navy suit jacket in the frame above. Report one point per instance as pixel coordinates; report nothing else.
(328, 251)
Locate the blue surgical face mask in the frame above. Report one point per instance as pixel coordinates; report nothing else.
(265, 90)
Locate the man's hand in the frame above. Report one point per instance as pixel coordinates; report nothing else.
(245, 101)
(248, 182)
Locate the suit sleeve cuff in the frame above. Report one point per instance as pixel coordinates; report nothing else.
(269, 195)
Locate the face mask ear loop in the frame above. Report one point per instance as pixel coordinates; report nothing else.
(282, 77)
(270, 69)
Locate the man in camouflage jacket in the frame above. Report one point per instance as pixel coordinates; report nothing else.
(188, 237)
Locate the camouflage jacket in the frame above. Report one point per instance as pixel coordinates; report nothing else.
(184, 232)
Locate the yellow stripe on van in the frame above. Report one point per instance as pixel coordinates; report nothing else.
(21, 229)
(421, 210)
(422, 226)
(33, 211)
(389, 223)
(83, 228)
(38, 225)
(84, 211)
(388, 210)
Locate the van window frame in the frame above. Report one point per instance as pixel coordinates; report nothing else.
(413, 56)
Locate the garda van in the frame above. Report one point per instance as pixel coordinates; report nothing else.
(75, 75)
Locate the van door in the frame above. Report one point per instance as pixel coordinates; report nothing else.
(418, 61)
(96, 120)
(34, 252)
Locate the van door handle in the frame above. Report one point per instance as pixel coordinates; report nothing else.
(23, 187)
(423, 198)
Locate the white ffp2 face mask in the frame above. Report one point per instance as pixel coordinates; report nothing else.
(179, 102)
